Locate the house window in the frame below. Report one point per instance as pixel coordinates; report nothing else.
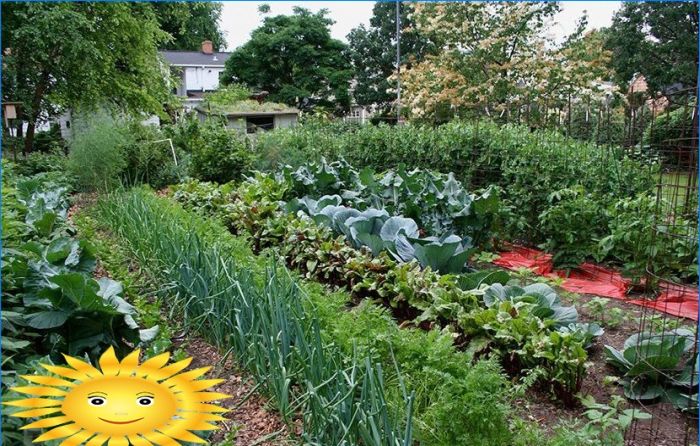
(259, 123)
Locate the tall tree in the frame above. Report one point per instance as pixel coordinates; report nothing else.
(295, 59)
(372, 52)
(68, 55)
(190, 23)
(658, 40)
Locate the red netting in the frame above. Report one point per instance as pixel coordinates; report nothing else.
(589, 278)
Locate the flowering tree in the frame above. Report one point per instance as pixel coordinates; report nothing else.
(496, 57)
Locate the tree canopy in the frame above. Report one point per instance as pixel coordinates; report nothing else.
(658, 40)
(372, 52)
(294, 58)
(189, 24)
(68, 55)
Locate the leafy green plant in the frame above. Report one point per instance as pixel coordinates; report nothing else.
(545, 301)
(574, 221)
(218, 154)
(658, 367)
(610, 317)
(606, 424)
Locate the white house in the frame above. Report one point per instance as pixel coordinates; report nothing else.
(198, 71)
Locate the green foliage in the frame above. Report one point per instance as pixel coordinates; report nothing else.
(51, 304)
(636, 240)
(668, 134)
(438, 203)
(312, 66)
(574, 222)
(189, 24)
(659, 367)
(97, 156)
(334, 244)
(372, 53)
(606, 424)
(610, 317)
(656, 40)
(38, 162)
(149, 157)
(218, 154)
(226, 95)
(526, 166)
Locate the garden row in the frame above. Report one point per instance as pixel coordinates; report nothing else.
(575, 199)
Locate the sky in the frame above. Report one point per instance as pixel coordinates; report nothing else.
(239, 18)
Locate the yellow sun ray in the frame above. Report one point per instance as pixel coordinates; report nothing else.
(66, 372)
(130, 362)
(118, 441)
(39, 391)
(186, 377)
(178, 433)
(82, 366)
(33, 403)
(160, 439)
(170, 370)
(139, 441)
(121, 403)
(77, 439)
(200, 384)
(205, 397)
(36, 412)
(109, 364)
(59, 432)
(97, 440)
(152, 365)
(47, 422)
(47, 380)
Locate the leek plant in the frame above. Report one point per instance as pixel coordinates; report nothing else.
(339, 399)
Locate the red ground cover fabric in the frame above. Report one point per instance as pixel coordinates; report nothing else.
(589, 278)
(674, 299)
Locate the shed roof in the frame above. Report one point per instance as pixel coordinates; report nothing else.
(183, 58)
(249, 107)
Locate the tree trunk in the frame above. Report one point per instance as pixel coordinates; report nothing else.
(34, 112)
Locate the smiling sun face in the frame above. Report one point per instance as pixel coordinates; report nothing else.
(122, 403)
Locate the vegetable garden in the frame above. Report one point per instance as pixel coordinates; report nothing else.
(351, 273)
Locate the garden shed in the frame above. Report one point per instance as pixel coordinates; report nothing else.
(249, 116)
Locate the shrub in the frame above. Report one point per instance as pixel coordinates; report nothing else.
(219, 154)
(149, 157)
(97, 156)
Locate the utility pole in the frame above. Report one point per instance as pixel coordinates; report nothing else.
(398, 61)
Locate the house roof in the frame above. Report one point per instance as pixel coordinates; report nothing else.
(185, 58)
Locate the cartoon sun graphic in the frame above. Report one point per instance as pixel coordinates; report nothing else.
(124, 403)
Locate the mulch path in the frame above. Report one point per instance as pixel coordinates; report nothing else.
(251, 422)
